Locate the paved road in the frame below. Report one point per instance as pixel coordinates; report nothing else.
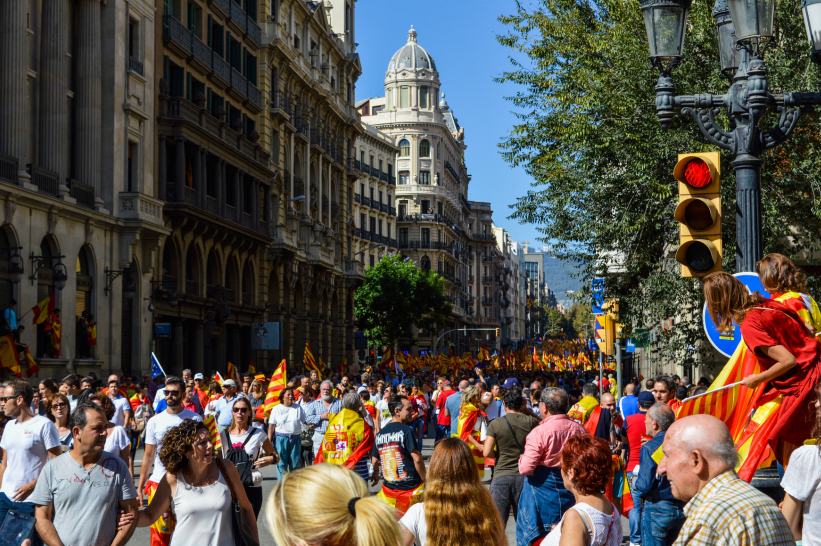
(141, 537)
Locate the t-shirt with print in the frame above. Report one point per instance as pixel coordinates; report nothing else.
(85, 502)
(253, 447)
(802, 480)
(393, 446)
(507, 460)
(155, 431)
(384, 412)
(26, 448)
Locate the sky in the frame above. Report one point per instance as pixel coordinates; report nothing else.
(461, 38)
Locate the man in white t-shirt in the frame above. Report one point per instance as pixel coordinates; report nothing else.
(155, 431)
(28, 442)
(122, 407)
(382, 410)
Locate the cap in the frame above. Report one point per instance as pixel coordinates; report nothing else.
(361, 390)
(229, 383)
(510, 382)
(198, 376)
(646, 398)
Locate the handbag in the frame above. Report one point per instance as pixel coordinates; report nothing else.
(306, 437)
(243, 535)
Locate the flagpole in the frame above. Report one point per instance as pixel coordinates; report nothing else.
(725, 387)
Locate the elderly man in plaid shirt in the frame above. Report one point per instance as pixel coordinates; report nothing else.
(699, 461)
(320, 411)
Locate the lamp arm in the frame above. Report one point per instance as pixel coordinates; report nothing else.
(705, 118)
(785, 127)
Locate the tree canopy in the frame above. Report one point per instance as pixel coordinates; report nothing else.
(395, 297)
(603, 193)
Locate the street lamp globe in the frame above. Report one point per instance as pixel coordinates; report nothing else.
(665, 22)
(728, 52)
(753, 20)
(60, 276)
(16, 268)
(812, 21)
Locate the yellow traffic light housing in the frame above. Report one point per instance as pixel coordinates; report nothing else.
(497, 332)
(699, 213)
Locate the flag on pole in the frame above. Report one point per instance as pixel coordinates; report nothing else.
(277, 385)
(92, 335)
(156, 367)
(219, 378)
(43, 310)
(310, 361)
(387, 356)
(252, 369)
(56, 333)
(233, 373)
(483, 353)
(9, 357)
(342, 369)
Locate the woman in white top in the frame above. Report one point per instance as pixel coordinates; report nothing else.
(593, 520)
(117, 441)
(242, 415)
(197, 490)
(58, 410)
(284, 426)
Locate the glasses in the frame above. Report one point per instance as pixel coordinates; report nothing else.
(240, 410)
(7, 398)
(172, 393)
(60, 405)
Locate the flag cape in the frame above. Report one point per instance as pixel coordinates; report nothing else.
(56, 333)
(346, 441)
(43, 310)
(9, 357)
(31, 365)
(277, 385)
(211, 423)
(592, 422)
(466, 423)
(581, 410)
(401, 501)
(92, 335)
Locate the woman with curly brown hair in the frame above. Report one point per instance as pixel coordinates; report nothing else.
(458, 510)
(197, 487)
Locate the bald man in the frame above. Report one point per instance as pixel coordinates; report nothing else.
(629, 404)
(722, 509)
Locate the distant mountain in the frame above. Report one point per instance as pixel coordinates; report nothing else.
(557, 276)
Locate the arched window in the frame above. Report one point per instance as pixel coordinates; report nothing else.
(424, 148)
(404, 148)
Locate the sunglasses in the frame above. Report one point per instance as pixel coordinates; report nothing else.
(7, 398)
(172, 393)
(240, 410)
(60, 405)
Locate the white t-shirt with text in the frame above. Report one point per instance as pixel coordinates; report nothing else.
(155, 431)
(26, 448)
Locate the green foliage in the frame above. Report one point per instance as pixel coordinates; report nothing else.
(395, 297)
(603, 194)
(581, 319)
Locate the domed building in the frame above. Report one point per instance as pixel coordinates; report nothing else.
(435, 220)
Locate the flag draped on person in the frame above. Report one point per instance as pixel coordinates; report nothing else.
(43, 310)
(275, 387)
(347, 440)
(310, 361)
(466, 425)
(92, 335)
(9, 357)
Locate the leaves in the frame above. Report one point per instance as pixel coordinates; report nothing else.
(603, 193)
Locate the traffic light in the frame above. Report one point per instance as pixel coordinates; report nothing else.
(699, 213)
(497, 332)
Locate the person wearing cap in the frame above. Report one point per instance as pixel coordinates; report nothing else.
(199, 381)
(635, 430)
(223, 409)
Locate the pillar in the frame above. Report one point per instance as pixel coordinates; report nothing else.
(221, 182)
(198, 345)
(255, 205)
(237, 194)
(13, 84)
(53, 85)
(319, 183)
(266, 209)
(162, 174)
(88, 96)
(179, 168)
(197, 175)
(177, 354)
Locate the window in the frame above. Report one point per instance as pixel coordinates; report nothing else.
(389, 231)
(424, 206)
(132, 164)
(439, 151)
(404, 96)
(424, 148)
(425, 263)
(133, 40)
(372, 199)
(390, 171)
(373, 224)
(372, 260)
(216, 39)
(380, 166)
(423, 98)
(362, 157)
(389, 200)
(376, 109)
(362, 223)
(380, 197)
(424, 177)
(403, 237)
(379, 224)
(404, 178)
(404, 148)
(439, 208)
(403, 207)
(389, 97)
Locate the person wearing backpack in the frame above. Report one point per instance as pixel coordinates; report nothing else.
(243, 445)
(506, 442)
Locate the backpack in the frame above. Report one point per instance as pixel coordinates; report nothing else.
(240, 458)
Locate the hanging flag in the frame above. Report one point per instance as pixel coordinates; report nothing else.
(156, 368)
(251, 369)
(54, 338)
(342, 369)
(31, 365)
(310, 361)
(43, 310)
(92, 335)
(211, 423)
(9, 357)
(277, 385)
(387, 356)
(347, 440)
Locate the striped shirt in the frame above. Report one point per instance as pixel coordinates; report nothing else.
(729, 511)
(315, 410)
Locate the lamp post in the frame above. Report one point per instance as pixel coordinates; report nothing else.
(744, 29)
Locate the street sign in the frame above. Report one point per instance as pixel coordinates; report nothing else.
(265, 336)
(162, 330)
(726, 343)
(598, 296)
(631, 347)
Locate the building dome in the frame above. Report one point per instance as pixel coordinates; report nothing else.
(411, 55)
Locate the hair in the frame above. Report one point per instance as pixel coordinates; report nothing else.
(257, 382)
(286, 389)
(589, 460)
(681, 392)
(537, 394)
(667, 380)
(177, 441)
(326, 519)
(186, 370)
(459, 510)
(71, 380)
(49, 385)
(50, 401)
(79, 418)
(779, 274)
(512, 398)
(22, 388)
(555, 400)
(590, 389)
(249, 413)
(662, 414)
(698, 390)
(649, 384)
(331, 383)
(365, 396)
(105, 403)
(468, 394)
(174, 380)
(396, 404)
(352, 401)
(728, 299)
(214, 388)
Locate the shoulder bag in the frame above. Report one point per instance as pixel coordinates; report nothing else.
(243, 535)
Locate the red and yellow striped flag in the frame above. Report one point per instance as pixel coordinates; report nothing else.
(43, 310)
(310, 361)
(233, 373)
(211, 423)
(56, 333)
(277, 385)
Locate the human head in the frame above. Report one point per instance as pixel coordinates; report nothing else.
(779, 274)
(659, 418)
(187, 375)
(401, 409)
(463, 384)
(649, 383)
(88, 427)
(664, 388)
(314, 375)
(47, 388)
(630, 389)
(447, 385)
(199, 380)
(58, 408)
(470, 395)
(229, 387)
(189, 442)
(727, 299)
(590, 389)
(12, 302)
(325, 390)
(18, 396)
(351, 401)
(327, 519)
(696, 449)
(586, 464)
(86, 383)
(496, 391)
(72, 384)
(246, 386)
(554, 401)
(113, 384)
(214, 388)
(174, 391)
(646, 400)
(608, 401)
(512, 399)
(287, 396)
(105, 404)
(681, 392)
(242, 414)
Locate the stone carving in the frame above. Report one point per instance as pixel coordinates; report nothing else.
(89, 231)
(11, 208)
(52, 220)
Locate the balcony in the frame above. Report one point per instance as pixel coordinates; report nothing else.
(82, 193)
(190, 198)
(383, 176)
(489, 237)
(487, 278)
(392, 211)
(366, 169)
(452, 172)
(366, 201)
(354, 268)
(471, 278)
(357, 198)
(246, 298)
(46, 181)
(487, 300)
(176, 36)
(135, 66)
(192, 287)
(8, 169)
(354, 164)
(391, 180)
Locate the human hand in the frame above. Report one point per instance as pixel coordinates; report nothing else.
(374, 478)
(124, 519)
(324, 416)
(22, 492)
(140, 498)
(752, 381)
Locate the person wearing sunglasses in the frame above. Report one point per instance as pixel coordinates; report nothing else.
(58, 410)
(153, 469)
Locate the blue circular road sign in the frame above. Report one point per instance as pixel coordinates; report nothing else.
(727, 342)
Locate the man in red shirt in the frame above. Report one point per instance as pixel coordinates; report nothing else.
(634, 429)
(443, 419)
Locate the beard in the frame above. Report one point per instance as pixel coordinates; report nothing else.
(327, 398)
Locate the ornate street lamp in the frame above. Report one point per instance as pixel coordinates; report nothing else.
(745, 103)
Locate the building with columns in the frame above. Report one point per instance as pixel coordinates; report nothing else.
(77, 174)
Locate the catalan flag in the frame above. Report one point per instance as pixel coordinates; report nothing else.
(211, 423)
(277, 385)
(43, 310)
(310, 361)
(9, 357)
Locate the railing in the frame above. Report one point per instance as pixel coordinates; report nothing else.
(391, 180)
(221, 67)
(487, 299)
(483, 236)
(357, 198)
(383, 176)
(366, 201)
(246, 298)
(169, 282)
(8, 169)
(471, 278)
(175, 31)
(464, 201)
(201, 51)
(280, 100)
(135, 66)
(239, 83)
(82, 193)
(366, 168)
(192, 287)
(299, 187)
(357, 232)
(452, 172)
(254, 94)
(487, 278)
(392, 211)
(46, 181)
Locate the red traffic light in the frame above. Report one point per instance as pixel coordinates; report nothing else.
(697, 174)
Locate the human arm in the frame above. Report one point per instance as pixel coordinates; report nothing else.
(312, 414)
(647, 472)
(792, 509)
(419, 463)
(488, 449)
(271, 455)
(124, 533)
(129, 416)
(528, 411)
(407, 537)
(125, 455)
(534, 448)
(232, 476)
(573, 532)
(784, 361)
(160, 502)
(45, 528)
(272, 428)
(145, 471)
(375, 476)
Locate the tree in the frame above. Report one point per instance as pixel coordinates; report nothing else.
(603, 193)
(397, 296)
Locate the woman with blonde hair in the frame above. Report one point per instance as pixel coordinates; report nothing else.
(471, 425)
(788, 285)
(458, 509)
(340, 510)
